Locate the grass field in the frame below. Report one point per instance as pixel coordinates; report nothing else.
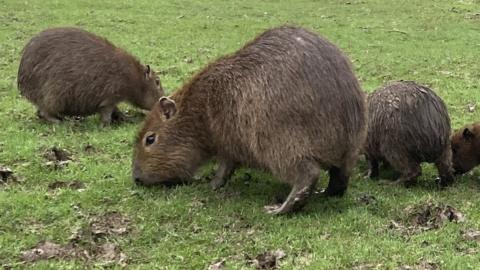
(111, 222)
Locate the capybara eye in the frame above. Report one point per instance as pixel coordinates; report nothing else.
(157, 81)
(150, 139)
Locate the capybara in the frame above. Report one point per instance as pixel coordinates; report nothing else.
(287, 102)
(71, 72)
(466, 148)
(408, 124)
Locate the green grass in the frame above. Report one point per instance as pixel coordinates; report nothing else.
(436, 43)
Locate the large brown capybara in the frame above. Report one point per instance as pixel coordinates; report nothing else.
(466, 148)
(287, 102)
(71, 72)
(408, 124)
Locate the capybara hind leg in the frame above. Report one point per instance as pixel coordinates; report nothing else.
(48, 117)
(409, 175)
(337, 185)
(304, 178)
(224, 171)
(106, 114)
(444, 167)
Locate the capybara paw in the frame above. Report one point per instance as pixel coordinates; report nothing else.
(47, 117)
(217, 183)
(118, 117)
(274, 209)
(337, 192)
(444, 182)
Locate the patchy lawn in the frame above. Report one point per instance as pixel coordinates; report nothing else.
(67, 200)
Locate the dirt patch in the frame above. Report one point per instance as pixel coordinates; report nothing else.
(75, 185)
(367, 199)
(367, 266)
(57, 158)
(471, 235)
(91, 243)
(423, 265)
(426, 216)
(218, 265)
(89, 148)
(106, 253)
(267, 260)
(7, 175)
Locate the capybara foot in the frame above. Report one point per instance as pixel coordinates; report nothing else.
(224, 171)
(47, 117)
(295, 201)
(118, 116)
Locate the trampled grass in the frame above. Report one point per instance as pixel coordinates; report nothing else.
(436, 43)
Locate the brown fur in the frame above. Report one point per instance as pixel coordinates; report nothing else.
(466, 148)
(287, 102)
(408, 124)
(71, 72)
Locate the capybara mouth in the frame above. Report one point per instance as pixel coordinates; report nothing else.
(169, 183)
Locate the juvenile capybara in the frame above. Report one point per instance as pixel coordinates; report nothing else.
(408, 124)
(71, 72)
(287, 102)
(466, 148)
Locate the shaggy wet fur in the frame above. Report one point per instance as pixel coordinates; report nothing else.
(408, 124)
(466, 148)
(71, 72)
(287, 102)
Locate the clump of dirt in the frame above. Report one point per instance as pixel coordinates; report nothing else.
(7, 175)
(75, 185)
(218, 265)
(426, 216)
(91, 243)
(367, 199)
(57, 158)
(422, 265)
(472, 235)
(268, 260)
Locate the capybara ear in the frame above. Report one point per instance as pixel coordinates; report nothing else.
(147, 71)
(167, 107)
(467, 134)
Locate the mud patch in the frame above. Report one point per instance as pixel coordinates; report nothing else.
(75, 185)
(7, 175)
(267, 260)
(423, 265)
(57, 158)
(426, 216)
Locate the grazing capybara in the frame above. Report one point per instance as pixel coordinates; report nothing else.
(408, 124)
(287, 102)
(466, 148)
(71, 72)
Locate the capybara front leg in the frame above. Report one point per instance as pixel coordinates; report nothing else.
(444, 167)
(118, 116)
(224, 171)
(372, 168)
(303, 178)
(337, 185)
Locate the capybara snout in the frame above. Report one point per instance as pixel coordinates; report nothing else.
(466, 148)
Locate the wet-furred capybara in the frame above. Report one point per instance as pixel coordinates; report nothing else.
(287, 102)
(466, 148)
(72, 72)
(408, 124)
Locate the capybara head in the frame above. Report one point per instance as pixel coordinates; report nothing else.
(151, 90)
(466, 148)
(166, 152)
